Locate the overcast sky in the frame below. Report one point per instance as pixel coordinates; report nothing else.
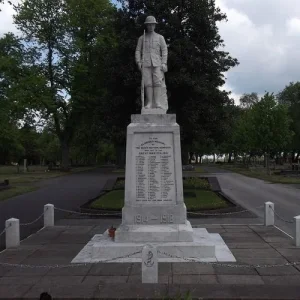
(264, 35)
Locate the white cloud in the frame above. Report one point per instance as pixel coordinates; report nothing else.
(258, 34)
(293, 27)
(6, 18)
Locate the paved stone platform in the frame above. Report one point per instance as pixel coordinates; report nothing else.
(250, 244)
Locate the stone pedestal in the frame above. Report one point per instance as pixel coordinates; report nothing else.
(154, 208)
(154, 211)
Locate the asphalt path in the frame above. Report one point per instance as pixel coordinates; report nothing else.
(252, 193)
(66, 192)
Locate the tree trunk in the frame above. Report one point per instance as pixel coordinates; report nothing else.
(121, 160)
(267, 163)
(214, 161)
(230, 157)
(184, 156)
(190, 157)
(65, 156)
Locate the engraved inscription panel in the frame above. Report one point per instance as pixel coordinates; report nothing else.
(154, 168)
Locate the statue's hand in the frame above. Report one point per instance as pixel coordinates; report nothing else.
(164, 68)
(140, 65)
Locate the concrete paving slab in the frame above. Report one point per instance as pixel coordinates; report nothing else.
(110, 269)
(132, 291)
(15, 256)
(262, 261)
(258, 245)
(192, 269)
(240, 279)
(163, 269)
(195, 279)
(286, 270)
(255, 253)
(223, 270)
(276, 239)
(100, 280)
(79, 291)
(60, 280)
(13, 291)
(26, 280)
(165, 279)
(285, 245)
(282, 280)
(290, 253)
(70, 271)
(24, 272)
(65, 238)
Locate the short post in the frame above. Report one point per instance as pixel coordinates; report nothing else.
(25, 165)
(269, 214)
(149, 264)
(297, 231)
(48, 215)
(12, 233)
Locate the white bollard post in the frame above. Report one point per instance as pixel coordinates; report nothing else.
(269, 214)
(12, 233)
(297, 231)
(48, 215)
(149, 264)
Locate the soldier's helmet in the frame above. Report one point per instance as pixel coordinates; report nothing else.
(150, 20)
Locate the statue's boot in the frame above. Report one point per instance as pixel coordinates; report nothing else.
(157, 96)
(149, 97)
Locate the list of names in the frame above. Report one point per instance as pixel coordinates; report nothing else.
(154, 168)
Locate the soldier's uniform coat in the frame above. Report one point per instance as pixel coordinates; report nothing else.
(156, 54)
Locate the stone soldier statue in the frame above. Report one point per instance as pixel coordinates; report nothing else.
(155, 57)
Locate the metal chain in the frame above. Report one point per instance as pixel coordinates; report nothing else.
(87, 214)
(118, 213)
(69, 265)
(4, 230)
(280, 218)
(220, 214)
(228, 265)
(27, 224)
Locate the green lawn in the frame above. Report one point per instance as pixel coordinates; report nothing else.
(194, 200)
(15, 191)
(261, 174)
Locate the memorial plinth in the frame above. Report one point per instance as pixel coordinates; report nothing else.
(154, 209)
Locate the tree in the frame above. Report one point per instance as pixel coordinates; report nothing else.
(19, 83)
(264, 128)
(196, 62)
(290, 96)
(247, 100)
(66, 35)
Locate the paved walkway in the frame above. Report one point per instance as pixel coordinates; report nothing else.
(250, 244)
(252, 193)
(67, 192)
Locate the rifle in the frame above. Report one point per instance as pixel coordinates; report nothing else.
(142, 87)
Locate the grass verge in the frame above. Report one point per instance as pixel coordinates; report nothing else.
(261, 174)
(193, 198)
(15, 191)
